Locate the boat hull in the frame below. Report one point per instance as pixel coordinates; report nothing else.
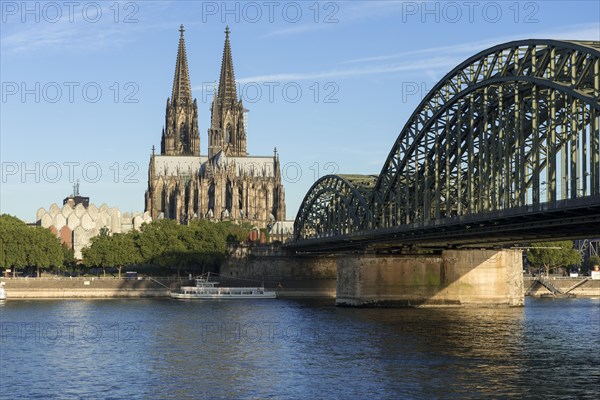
(205, 290)
(266, 295)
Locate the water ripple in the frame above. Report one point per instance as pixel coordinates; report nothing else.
(161, 349)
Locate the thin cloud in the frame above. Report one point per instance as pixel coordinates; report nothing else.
(295, 30)
(74, 35)
(589, 31)
(447, 57)
(73, 31)
(441, 62)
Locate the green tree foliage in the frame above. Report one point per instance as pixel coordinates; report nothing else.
(118, 250)
(24, 246)
(551, 255)
(233, 233)
(199, 246)
(160, 243)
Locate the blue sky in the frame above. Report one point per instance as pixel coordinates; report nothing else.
(331, 84)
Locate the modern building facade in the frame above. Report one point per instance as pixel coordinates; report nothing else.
(78, 221)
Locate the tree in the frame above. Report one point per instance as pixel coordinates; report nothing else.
(551, 255)
(45, 249)
(25, 246)
(206, 244)
(231, 232)
(160, 243)
(165, 243)
(118, 250)
(98, 254)
(125, 252)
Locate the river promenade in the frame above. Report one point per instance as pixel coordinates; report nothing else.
(160, 287)
(87, 287)
(143, 287)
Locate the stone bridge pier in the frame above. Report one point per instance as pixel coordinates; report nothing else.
(454, 278)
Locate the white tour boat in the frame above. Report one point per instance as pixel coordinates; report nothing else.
(207, 290)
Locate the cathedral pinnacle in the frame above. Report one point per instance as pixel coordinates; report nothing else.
(227, 89)
(182, 91)
(180, 133)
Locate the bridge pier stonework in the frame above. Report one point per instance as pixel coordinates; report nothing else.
(454, 278)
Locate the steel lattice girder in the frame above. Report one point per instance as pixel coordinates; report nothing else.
(333, 206)
(514, 125)
(455, 141)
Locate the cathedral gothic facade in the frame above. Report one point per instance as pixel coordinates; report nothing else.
(226, 184)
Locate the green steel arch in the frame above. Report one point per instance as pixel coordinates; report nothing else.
(504, 128)
(513, 126)
(335, 205)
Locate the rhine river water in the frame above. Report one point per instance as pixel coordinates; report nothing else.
(289, 349)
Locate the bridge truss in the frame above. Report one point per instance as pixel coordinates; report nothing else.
(506, 145)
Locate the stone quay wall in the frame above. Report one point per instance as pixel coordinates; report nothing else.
(292, 276)
(57, 288)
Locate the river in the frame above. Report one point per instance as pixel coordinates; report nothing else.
(296, 349)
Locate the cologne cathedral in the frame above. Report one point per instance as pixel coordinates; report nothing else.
(226, 184)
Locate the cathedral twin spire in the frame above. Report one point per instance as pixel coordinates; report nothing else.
(178, 188)
(180, 136)
(227, 91)
(182, 90)
(227, 132)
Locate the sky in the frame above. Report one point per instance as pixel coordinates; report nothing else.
(330, 84)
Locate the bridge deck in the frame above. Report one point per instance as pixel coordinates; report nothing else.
(567, 219)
